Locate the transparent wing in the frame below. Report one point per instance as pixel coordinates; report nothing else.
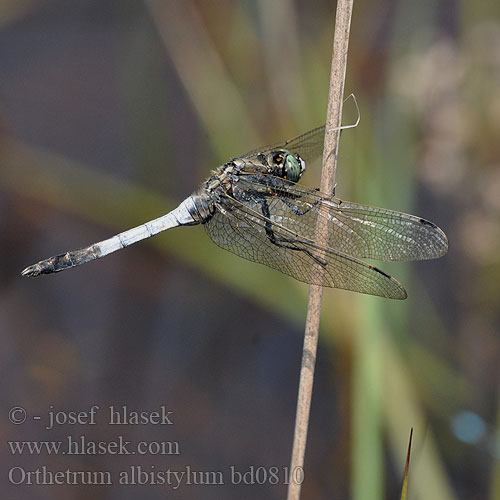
(245, 231)
(361, 231)
(308, 145)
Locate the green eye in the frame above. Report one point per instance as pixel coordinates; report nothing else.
(294, 166)
(287, 165)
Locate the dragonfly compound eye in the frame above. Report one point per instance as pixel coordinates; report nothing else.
(294, 167)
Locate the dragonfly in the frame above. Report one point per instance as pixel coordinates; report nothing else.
(255, 207)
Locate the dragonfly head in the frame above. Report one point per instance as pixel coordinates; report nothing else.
(287, 165)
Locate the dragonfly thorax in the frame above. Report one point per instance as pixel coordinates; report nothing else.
(216, 188)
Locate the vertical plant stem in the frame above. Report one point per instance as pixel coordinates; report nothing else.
(330, 153)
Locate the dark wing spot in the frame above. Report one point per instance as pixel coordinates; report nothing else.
(381, 272)
(427, 223)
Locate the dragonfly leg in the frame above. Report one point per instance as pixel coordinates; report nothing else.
(295, 209)
(290, 244)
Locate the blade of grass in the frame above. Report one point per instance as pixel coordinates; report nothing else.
(367, 455)
(282, 51)
(217, 102)
(402, 406)
(404, 489)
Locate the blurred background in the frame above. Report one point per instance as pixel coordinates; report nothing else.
(112, 112)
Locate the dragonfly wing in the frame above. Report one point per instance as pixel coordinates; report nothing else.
(361, 231)
(384, 234)
(308, 145)
(249, 234)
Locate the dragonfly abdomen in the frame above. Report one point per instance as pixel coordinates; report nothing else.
(202, 207)
(185, 214)
(63, 261)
